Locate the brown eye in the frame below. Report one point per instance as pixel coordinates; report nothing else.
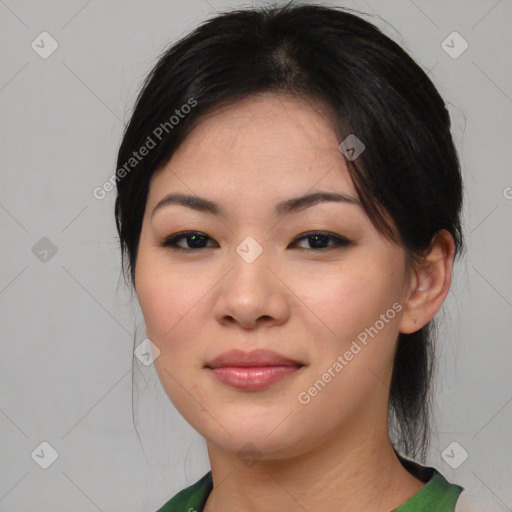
(194, 240)
(319, 240)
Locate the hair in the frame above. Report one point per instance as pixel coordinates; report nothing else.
(408, 175)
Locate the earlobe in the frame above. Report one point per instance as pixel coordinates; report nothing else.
(430, 284)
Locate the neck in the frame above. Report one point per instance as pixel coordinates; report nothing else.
(352, 472)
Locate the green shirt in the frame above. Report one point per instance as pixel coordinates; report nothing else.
(437, 495)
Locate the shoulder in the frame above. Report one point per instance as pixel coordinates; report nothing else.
(446, 493)
(192, 498)
(437, 495)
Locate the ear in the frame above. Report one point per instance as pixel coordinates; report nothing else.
(429, 284)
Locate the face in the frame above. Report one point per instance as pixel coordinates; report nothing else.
(247, 275)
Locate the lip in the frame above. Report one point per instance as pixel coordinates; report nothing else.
(256, 358)
(254, 370)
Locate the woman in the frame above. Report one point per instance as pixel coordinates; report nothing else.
(288, 207)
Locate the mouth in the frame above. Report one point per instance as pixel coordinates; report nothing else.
(252, 371)
(253, 378)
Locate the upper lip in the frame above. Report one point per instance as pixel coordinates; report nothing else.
(257, 357)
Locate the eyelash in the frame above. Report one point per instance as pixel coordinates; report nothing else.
(171, 241)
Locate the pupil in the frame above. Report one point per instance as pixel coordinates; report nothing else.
(317, 240)
(195, 238)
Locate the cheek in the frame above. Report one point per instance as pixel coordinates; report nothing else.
(353, 356)
(164, 297)
(174, 305)
(351, 298)
(171, 306)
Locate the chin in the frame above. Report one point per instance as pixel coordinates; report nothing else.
(260, 447)
(266, 440)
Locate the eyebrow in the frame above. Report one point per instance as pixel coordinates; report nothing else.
(291, 205)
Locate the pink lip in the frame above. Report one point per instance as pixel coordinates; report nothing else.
(257, 357)
(254, 370)
(253, 378)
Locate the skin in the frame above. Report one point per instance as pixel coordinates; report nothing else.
(334, 452)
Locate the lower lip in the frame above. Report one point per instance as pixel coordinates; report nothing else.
(253, 378)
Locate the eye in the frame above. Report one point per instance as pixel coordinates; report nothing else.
(195, 240)
(318, 239)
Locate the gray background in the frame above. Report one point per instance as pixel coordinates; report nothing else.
(69, 324)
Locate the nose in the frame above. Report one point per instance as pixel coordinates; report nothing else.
(252, 294)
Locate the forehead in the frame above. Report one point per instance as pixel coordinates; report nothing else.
(264, 146)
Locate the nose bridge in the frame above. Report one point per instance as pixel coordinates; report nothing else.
(249, 262)
(250, 250)
(250, 291)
